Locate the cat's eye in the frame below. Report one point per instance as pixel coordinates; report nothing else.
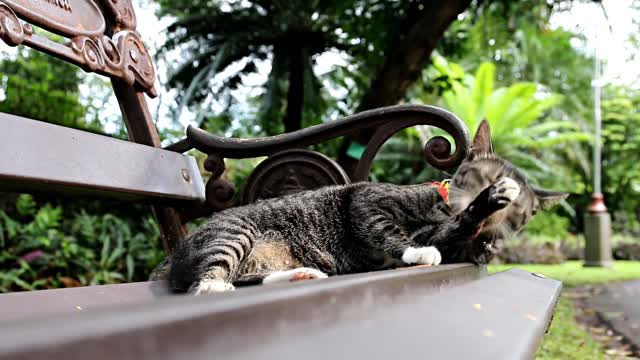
(533, 212)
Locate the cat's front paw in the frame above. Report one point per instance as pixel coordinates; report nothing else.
(422, 256)
(297, 274)
(504, 191)
(209, 286)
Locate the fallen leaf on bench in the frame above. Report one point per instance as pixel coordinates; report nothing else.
(487, 333)
(477, 307)
(69, 282)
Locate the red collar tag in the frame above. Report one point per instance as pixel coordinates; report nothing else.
(443, 188)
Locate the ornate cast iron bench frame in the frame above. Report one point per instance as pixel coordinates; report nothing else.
(402, 312)
(289, 163)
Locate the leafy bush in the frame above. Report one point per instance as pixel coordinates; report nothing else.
(625, 247)
(542, 249)
(525, 251)
(548, 224)
(44, 246)
(521, 129)
(620, 168)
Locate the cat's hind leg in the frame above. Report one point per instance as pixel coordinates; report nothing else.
(297, 274)
(277, 276)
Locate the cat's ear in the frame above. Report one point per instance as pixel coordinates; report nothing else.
(482, 145)
(548, 198)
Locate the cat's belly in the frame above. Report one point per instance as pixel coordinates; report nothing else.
(271, 255)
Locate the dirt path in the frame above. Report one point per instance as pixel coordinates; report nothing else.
(611, 314)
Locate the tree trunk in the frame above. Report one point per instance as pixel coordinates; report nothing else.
(295, 94)
(405, 60)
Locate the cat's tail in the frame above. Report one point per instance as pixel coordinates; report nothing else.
(161, 272)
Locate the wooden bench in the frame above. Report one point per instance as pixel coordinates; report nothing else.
(452, 311)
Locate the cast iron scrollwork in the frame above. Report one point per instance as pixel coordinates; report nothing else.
(121, 56)
(92, 53)
(290, 171)
(286, 170)
(219, 192)
(68, 18)
(11, 30)
(122, 12)
(136, 62)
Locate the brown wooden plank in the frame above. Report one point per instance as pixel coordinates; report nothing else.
(445, 312)
(35, 304)
(43, 157)
(71, 301)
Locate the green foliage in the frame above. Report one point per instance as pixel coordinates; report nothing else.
(520, 128)
(222, 42)
(47, 246)
(548, 224)
(572, 273)
(507, 109)
(40, 87)
(517, 37)
(550, 57)
(566, 339)
(621, 146)
(401, 161)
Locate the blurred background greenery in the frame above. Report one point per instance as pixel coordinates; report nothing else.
(254, 68)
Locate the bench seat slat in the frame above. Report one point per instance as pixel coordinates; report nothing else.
(410, 313)
(41, 156)
(29, 304)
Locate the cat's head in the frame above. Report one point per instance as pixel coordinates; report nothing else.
(480, 169)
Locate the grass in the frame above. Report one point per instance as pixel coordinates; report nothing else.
(573, 274)
(566, 340)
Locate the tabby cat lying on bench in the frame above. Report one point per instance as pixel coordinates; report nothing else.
(360, 227)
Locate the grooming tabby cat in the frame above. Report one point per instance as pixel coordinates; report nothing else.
(360, 227)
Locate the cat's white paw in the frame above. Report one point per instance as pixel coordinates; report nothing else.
(302, 273)
(422, 256)
(212, 286)
(506, 188)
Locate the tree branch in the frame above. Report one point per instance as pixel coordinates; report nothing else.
(404, 64)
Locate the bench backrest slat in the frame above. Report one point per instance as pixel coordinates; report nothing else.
(37, 154)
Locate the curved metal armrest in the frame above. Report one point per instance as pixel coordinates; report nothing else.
(385, 122)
